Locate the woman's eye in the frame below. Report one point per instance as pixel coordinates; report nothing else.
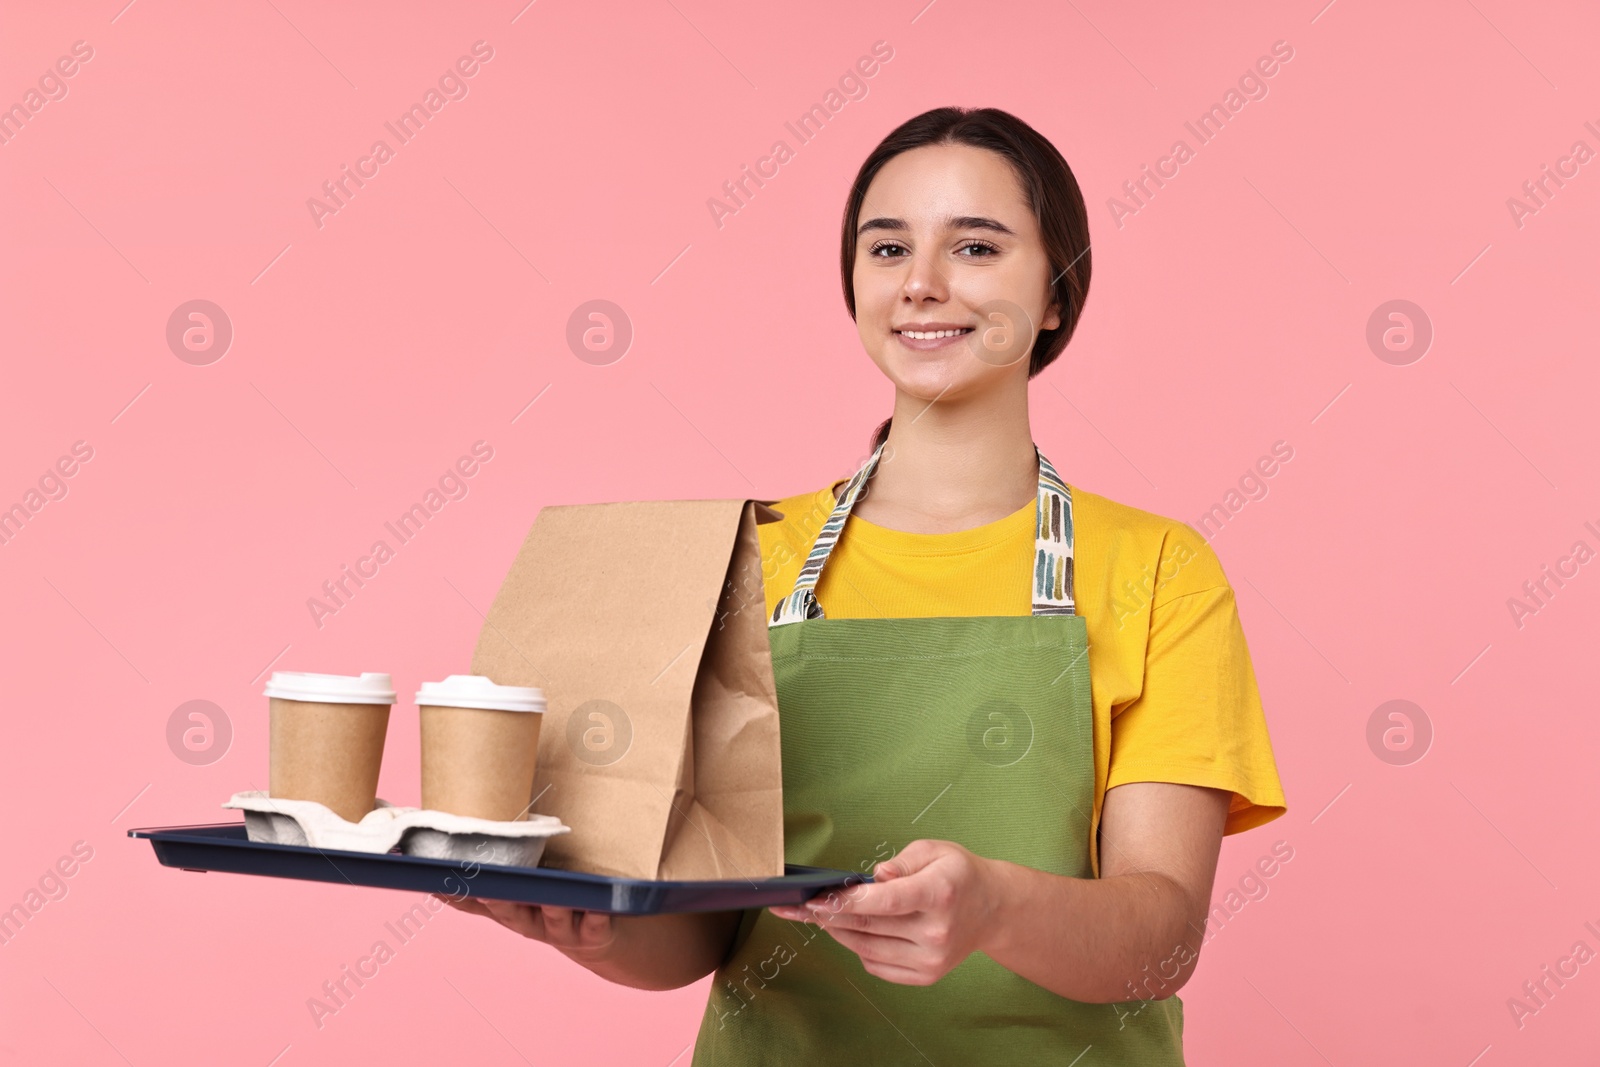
(894, 249)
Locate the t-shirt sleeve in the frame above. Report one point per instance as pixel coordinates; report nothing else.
(1198, 718)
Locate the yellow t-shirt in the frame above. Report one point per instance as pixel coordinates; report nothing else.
(1173, 689)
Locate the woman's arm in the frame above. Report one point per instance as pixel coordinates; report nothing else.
(1133, 934)
(645, 952)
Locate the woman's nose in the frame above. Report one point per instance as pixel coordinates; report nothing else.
(924, 280)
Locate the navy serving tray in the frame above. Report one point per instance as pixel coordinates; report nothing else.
(224, 847)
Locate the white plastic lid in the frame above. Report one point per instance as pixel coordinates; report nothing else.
(477, 691)
(368, 688)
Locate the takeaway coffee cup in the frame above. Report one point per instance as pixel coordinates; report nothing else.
(480, 742)
(327, 738)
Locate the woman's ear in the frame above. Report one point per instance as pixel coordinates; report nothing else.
(1052, 317)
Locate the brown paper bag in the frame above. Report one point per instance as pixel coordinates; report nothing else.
(645, 625)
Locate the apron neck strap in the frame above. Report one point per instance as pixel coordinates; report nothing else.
(1052, 557)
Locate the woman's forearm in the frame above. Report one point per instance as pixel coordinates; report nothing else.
(1095, 940)
(663, 951)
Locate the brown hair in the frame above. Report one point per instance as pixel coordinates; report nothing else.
(1052, 193)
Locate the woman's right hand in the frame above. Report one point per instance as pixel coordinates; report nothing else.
(583, 936)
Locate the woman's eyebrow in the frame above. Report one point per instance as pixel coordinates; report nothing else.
(951, 222)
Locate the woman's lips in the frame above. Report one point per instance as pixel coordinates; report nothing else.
(942, 338)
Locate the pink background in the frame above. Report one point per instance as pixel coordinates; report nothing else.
(1228, 313)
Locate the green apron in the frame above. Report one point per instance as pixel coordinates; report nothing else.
(977, 730)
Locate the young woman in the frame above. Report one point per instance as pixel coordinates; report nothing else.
(1026, 710)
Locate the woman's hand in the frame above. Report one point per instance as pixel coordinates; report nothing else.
(583, 936)
(641, 951)
(927, 909)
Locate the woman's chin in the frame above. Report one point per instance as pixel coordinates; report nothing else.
(935, 381)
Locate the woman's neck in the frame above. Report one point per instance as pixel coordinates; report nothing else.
(951, 466)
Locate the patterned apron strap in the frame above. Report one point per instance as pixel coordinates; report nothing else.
(1052, 544)
(1052, 566)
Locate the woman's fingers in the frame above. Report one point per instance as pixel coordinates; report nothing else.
(522, 918)
(899, 975)
(907, 927)
(883, 951)
(567, 929)
(466, 904)
(596, 930)
(558, 926)
(571, 930)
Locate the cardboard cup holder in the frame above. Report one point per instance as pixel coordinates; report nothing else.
(416, 831)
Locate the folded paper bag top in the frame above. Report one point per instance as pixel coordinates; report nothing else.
(476, 691)
(368, 688)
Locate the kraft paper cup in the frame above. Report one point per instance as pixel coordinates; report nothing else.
(480, 743)
(327, 738)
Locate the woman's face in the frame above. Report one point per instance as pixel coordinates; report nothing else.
(946, 241)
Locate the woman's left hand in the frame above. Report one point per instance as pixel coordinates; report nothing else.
(926, 910)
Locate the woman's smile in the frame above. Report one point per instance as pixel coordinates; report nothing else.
(927, 336)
